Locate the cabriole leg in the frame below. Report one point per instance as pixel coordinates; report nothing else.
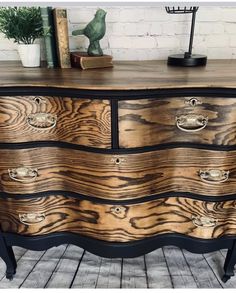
(230, 262)
(7, 254)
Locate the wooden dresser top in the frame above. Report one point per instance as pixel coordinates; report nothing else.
(125, 75)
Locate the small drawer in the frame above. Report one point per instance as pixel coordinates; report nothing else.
(201, 120)
(120, 223)
(115, 177)
(37, 118)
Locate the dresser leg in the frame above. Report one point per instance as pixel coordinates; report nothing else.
(7, 254)
(230, 262)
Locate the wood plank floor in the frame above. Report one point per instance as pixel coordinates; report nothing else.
(68, 266)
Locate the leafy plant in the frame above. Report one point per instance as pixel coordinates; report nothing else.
(23, 24)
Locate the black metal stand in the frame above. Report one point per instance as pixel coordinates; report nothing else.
(186, 59)
(230, 262)
(7, 254)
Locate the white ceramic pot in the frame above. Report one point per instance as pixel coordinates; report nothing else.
(29, 54)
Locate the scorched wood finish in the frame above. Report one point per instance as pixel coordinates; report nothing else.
(118, 177)
(158, 121)
(119, 161)
(119, 223)
(37, 118)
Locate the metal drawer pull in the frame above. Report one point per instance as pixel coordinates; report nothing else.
(204, 222)
(214, 176)
(42, 121)
(31, 218)
(191, 122)
(23, 174)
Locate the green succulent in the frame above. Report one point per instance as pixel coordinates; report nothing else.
(23, 24)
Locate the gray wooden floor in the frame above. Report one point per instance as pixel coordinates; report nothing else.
(68, 266)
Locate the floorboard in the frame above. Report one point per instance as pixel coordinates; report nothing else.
(68, 266)
(41, 273)
(179, 270)
(157, 270)
(88, 271)
(24, 266)
(133, 273)
(201, 271)
(66, 269)
(109, 275)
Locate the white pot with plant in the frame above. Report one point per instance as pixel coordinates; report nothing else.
(24, 25)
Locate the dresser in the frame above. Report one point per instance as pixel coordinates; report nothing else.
(119, 161)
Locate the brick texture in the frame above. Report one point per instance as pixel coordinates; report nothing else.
(146, 33)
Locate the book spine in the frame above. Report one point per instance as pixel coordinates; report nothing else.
(50, 42)
(76, 61)
(62, 38)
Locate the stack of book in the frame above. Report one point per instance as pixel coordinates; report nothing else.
(58, 54)
(56, 37)
(83, 61)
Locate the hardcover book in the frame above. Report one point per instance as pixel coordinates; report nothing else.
(62, 38)
(84, 61)
(50, 41)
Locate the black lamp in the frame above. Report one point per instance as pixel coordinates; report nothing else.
(186, 59)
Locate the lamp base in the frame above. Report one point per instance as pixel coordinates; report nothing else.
(189, 61)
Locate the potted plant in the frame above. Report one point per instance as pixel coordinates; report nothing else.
(24, 25)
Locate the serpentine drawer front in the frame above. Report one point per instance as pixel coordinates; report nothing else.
(180, 119)
(116, 177)
(119, 161)
(120, 223)
(38, 118)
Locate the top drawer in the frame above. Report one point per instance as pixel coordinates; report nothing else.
(34, 118)
(201, 120)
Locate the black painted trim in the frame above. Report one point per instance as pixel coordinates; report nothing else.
(114, 124)
(114, 151)
(119, 94)
(119, 249)
(143, 199)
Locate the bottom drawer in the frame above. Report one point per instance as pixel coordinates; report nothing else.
(120, 223)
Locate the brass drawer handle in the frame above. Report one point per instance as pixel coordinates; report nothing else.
(42, 121)
(204, 222)
(214, 175)
(191, 122)
(23, 174)
(31, 218)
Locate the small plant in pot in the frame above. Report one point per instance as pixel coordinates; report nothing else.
(24, 25)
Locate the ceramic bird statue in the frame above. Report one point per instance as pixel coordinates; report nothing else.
(94, 31)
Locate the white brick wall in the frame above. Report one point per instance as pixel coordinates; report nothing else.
(146, 33)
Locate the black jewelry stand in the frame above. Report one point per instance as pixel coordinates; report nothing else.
(186, 59)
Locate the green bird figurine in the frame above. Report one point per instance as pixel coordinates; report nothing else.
(94, 31)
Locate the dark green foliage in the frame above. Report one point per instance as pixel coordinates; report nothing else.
(23, 24)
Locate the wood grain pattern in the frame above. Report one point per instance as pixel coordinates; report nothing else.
(153, 121)
(105, 222)
(137, 175)
(125, 75)
(80, 121)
